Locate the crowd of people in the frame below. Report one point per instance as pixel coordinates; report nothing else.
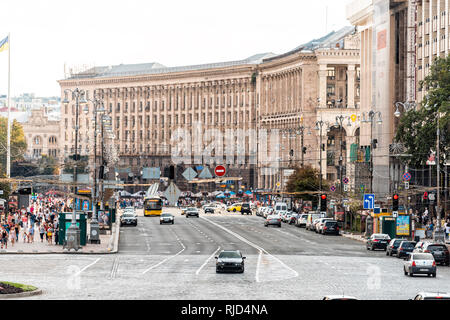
(24, 224)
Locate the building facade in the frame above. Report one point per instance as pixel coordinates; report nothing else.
(148, 102)
(42, 135)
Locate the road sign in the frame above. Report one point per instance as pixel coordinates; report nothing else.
(406, 185)
(353, 117)
(278, 184)
(189, 174)
(205, 174)
(406, 176)
(1, 191)
(345, 180)
(333, 188)
(172, 194)
(345, 187)
(369, 200)
(220, 171)
(431, 196)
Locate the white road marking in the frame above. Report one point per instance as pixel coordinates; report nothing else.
(297, 237)
(253, 245)
(257, 266)
(89, 265)
(206, 262)
(167, 259)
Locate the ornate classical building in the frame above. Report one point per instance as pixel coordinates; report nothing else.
(42, 135)
(148, 102)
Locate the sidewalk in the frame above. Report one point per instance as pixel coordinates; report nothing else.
(108, 244)
(357, 237)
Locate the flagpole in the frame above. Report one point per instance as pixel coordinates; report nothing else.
(8, 156)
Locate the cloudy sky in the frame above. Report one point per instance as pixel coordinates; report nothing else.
(48, 34)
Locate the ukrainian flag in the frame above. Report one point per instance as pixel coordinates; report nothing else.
(4, 44)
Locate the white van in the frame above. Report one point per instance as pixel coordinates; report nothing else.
(280, 206)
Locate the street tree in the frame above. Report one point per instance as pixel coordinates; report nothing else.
(417, 128)
(305, 179)
(18, 142)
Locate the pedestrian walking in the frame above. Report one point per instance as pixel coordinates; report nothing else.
(31, 233)
(4, 238)
(12, 235)
(50, 233)
(447, 229)
(42, 231)
(16, 230)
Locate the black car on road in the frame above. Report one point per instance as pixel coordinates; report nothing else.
(230, 261)
(128, 218)
(438, 250)
(393, 246)
(246, 208)
(378, 241)
(330, 227)
(405, 248)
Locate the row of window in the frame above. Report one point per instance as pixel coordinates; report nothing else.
(38, 140)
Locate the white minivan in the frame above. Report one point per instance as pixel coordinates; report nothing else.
(280, 206)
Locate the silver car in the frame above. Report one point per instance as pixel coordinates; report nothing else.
(420, 263)
(301, 220)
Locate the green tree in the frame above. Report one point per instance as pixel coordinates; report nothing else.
(18, 142)
(305, 179)
(417, 128)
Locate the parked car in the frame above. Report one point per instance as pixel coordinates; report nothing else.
(192, 212)
(320, 224)
(392, 247)
(330, 227)
(230, 261)
(293, 218)
(246, 208)
(128, 218)
(268, 212)
(378, 241)
(405, 248)
(432, 296)
(314, 224)
(438, 250)
(301, 220)
(419, 263)
(310, 220)
(166, 218)
(273, 220)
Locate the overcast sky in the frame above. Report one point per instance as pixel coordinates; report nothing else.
(46, 34)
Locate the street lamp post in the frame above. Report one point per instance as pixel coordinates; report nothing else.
(319, 125)
(73, 232)
(371, 115)
(339, 120)
(94, 227)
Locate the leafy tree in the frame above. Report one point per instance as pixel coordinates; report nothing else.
(18, 142)
(417, 128)
(305, 179)
(5, 186)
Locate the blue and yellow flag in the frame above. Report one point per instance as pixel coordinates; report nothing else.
(4, 44)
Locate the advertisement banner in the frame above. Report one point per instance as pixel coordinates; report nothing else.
(403, 225)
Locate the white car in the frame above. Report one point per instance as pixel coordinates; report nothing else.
(420, 263)
(301, 220)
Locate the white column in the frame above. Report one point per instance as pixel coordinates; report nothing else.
(351, 85)
(323, 85)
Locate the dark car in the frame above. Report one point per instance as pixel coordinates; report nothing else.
(378, 241)
(192, 212)
(439, 252)
(209, 209)
(246, 208)
(128, 218)
(405, 248)
(330, 227)
(393, 246)
(293, 218)
(230, 261)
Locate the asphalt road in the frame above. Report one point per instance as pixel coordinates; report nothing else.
(177, 262)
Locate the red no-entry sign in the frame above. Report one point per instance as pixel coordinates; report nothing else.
(220, 171)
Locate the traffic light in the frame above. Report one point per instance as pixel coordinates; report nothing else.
(304, 150)
(291, 152)
(101, 172)
(395, 202)
(323, 202)
(172, 172)
(425, 197)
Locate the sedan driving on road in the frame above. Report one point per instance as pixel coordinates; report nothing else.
(438, 250)
(378, 241)
(420, 263)
(321, 224)
(232, 261)
(405, 248)
(192, 212)
(432, 296)
(392, 247)
(273, 220)
(128, 218)
(167, 218)
(301, 220)
(330, 227)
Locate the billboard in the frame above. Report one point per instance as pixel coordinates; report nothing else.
(403, 222)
